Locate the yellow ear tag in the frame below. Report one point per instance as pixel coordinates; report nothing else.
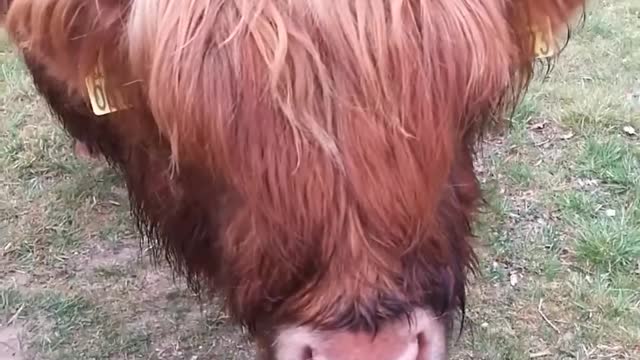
(98, 95)
(544, 42)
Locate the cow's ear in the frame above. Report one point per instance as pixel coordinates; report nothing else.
(71, 38)
(556, 12)
(545, 21)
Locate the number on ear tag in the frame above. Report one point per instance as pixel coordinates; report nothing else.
(98, 94)
(544, 42)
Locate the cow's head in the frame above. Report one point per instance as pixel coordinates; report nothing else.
(320, 170)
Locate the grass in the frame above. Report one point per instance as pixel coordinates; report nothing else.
(559, 241)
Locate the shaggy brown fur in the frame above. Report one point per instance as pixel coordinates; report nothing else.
(312, 160)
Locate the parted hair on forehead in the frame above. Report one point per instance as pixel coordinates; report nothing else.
(312, 160)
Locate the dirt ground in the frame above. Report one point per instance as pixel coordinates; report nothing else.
(10, 346)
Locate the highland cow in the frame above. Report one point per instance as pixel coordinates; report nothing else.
(311, 161)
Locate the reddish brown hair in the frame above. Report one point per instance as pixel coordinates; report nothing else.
(312, 159)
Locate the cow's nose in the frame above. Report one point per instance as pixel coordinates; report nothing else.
(423, 338)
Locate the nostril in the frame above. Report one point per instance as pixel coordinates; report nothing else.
(431, 346)
(422, 341)
(307, 353)
(423, 346)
